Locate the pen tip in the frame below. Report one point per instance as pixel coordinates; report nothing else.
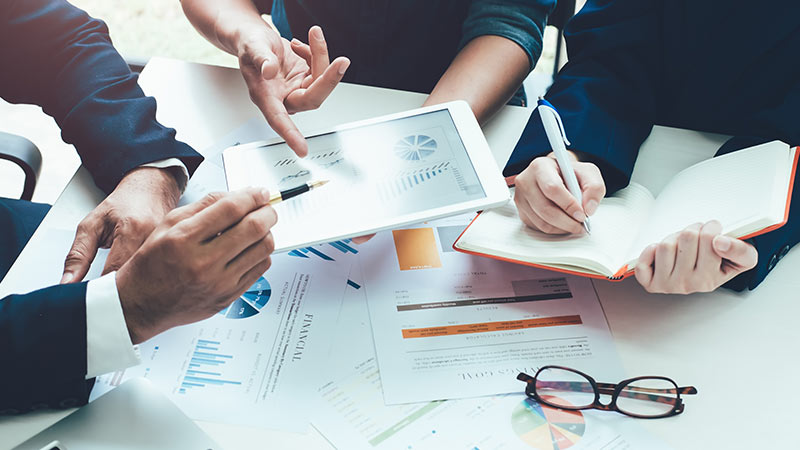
(319, 183)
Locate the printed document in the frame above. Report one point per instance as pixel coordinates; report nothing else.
(252, 364)
(448, 325)
(350, 412)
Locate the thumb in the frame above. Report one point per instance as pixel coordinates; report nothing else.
(264, 59)
(269, 65)
(739, 253)
(259, 55)
(82, 252)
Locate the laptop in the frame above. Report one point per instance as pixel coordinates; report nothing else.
(135, 415)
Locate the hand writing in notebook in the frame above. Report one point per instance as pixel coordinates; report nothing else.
(545, 203)
(696, 259)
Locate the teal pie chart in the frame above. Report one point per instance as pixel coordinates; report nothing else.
(251, 302)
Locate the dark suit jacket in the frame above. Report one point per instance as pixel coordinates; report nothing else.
(56, 56)
(709, 65)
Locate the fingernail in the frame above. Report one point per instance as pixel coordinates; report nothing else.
(579, 216)
(265, 194)
(296, 41)
(343, 68)
(66, 278)
(722, 243)
(318, 34)
(591, 207)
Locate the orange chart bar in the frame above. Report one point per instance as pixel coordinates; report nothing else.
(469, 328)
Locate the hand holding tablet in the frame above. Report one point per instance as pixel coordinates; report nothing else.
(385, 172)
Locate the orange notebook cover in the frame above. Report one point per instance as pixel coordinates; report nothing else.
(625, 271)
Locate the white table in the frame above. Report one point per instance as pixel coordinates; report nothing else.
(735, 348)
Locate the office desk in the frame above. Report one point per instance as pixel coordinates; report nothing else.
(737, 349)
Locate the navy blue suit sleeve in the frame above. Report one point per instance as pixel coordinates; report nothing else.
(43, 349)
(56, 56)
(606, 94)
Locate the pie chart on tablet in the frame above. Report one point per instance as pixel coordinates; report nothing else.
(545, 428)
(251, 302)
(415, 147)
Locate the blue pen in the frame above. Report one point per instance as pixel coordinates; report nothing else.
(554, 129)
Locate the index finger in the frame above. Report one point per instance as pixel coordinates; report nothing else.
(224, 213)
(278, 118)
(82, 252)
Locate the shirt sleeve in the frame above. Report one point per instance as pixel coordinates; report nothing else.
(108, 344)
(521, 21)
(181, 173)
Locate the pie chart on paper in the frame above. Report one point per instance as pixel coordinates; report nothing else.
(251, 302)
(415, 147)
(545, 428)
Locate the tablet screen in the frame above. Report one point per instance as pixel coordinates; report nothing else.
(375, 172)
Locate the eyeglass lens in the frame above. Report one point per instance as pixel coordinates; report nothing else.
(648, 397)
(564, 388)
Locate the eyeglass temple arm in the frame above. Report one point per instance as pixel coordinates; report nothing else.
(681, 390)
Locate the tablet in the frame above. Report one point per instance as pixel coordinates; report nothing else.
(382, 173)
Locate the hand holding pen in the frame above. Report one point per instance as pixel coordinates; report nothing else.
(556, 194)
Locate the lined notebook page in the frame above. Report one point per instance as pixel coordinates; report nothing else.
(501, 232)
(744, 190)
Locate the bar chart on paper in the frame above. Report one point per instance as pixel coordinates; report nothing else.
(440, 318)
(327, 252)
(206, 366)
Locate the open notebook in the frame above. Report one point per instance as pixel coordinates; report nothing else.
(748, 191)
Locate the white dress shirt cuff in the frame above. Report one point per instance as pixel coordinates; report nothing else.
(108, 344)
(172, 162)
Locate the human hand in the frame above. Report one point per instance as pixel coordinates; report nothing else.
(544, 202)
(697, 259)
(196, 262)
(122, 221)
(284, 78)
(362, 239)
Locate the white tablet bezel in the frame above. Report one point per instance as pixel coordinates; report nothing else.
(469, 131)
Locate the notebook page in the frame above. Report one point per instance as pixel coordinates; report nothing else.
(501, 232)
(745, 191)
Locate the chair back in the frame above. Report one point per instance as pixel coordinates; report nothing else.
(26, 155)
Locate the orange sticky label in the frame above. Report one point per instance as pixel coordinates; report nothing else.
(452, 330)
(416, 249)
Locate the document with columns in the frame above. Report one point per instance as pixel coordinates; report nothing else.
(449, 325)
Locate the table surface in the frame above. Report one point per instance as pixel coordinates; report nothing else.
(735, 348)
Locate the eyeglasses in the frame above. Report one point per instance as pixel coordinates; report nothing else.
(649, 397)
